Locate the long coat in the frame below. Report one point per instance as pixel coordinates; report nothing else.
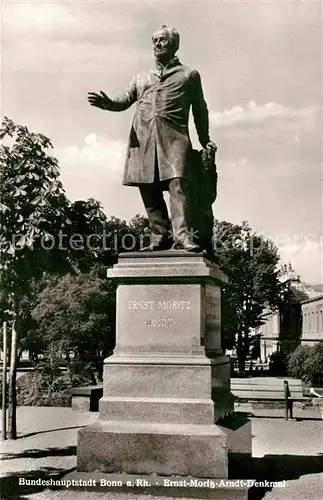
(159, 131)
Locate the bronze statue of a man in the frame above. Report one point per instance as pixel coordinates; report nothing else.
(159, 155)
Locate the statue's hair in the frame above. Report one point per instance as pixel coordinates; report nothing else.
(172, 34)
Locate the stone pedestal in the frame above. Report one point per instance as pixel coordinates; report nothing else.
(167, 383)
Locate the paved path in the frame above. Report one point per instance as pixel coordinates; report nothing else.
(46, 447)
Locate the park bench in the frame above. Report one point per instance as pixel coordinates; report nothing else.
(251, 366)
(265, 389)
(86, 398)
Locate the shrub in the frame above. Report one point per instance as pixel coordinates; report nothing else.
(55, 398)
(297, 360)
(48, 385)
(29, 388)
(313, 366)
(306, 363)
(33, 389)
(82, 373)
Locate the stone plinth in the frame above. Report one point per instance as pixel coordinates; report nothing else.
(134, 447)
(167, 382)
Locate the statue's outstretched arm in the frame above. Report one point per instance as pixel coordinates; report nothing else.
(120, 102)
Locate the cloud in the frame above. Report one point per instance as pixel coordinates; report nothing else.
(91, 139)
(94, 170)
(66, 21)
(255, 114)
(96, 155)
(67, 39)
(304, 251)
(278, 141)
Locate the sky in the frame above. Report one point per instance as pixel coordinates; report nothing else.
(261, 69)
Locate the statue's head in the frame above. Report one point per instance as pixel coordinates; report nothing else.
(165, 43)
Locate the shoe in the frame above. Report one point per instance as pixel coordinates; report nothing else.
(188, 245)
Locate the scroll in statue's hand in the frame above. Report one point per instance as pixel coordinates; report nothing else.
(211, 147)
(208, 156)
(100, 100)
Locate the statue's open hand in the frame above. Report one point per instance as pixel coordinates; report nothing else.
(99, 100)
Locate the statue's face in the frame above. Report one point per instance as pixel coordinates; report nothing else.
(162, 45)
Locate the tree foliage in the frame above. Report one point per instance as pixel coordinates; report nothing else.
(77, 313)
(33, 210)
(86, 238)
(250, 262)
(96, 240)
(33, 207)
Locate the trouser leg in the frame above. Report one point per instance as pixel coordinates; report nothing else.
(204, 231)
(179, 208)
(153, 199)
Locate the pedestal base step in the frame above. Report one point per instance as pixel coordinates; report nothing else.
(152, 448)
(168, 410)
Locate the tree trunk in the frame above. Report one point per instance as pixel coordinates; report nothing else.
(12, 393)
(4, 385)
(241, 360)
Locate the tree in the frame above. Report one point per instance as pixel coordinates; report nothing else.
(96, 240)
(87, 235)
(290, 313)
(139, 228)
(297, 296)
(33, 210)
(250, 262)
(77, 313)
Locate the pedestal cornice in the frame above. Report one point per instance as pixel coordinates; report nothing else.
(166, 267)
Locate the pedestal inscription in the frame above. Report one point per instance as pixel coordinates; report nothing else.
(159, 319)
(161, 305)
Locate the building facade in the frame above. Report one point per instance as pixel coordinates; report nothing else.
(268, 334)
(285, 330)
(312, 320)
